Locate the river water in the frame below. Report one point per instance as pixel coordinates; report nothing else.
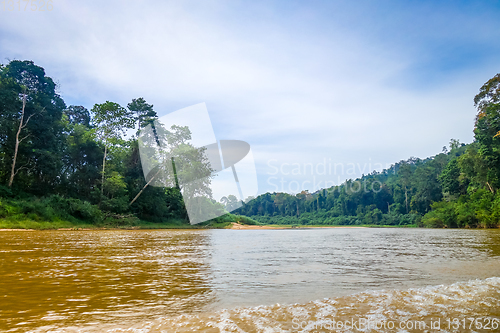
(314, 280)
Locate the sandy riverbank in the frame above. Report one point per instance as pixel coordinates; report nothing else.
(233, 226)
(237, 226)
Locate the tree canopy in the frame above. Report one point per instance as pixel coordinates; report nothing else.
(79, 164)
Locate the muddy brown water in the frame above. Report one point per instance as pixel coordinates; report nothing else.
(319, 280)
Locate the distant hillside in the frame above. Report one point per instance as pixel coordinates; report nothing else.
(458, 188)
(400, 195)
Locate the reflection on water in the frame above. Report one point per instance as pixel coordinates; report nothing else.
(107, 280)
(256, 267)
(63, 277)
(450, 308)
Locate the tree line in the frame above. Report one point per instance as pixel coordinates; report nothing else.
(71, 163)
(456, 188)
(68, 162)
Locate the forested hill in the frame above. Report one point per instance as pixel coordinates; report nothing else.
(400, 195)
(456, 188)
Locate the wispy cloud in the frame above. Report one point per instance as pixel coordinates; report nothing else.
(299, 81)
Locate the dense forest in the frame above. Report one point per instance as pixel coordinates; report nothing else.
(456, 188)
(400, 195)
(68, 163)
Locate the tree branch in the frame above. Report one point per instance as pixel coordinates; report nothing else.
(21, 140)
(142, 190)
(24, 167)
(31, 115)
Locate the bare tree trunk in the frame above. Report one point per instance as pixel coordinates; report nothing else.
(406, 199)
(491, 189)
(103, 168)
(142, 190)
(16, 148)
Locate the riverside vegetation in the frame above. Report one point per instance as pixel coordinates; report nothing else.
(456, 188)
(65, 166)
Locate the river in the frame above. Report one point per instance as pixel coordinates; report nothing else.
(313, 280)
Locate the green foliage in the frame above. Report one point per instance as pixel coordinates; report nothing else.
(62, 159)
(51, 209)
(489, 93)
(449, 178)
(457, 188)
(246, 220)
(111, 122)
(442, 215)
(74, 166)
(5, 192)
(145, 113)
(39, 158)
(474, 177)
(396, 196)
(481, 209)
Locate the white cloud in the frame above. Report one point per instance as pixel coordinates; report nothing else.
(295, 86)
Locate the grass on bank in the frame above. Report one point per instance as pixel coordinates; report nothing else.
(56, 212)
(7, 223)
(306, 226)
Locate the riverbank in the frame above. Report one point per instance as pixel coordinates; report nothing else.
(58, 213)
(238, 226)
(9, 225)
(34, 226)
(30, 225)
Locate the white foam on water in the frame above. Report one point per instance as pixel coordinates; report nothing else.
(461, 300)
(475, 298)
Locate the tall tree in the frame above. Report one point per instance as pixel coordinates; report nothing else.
(144, 112)
(10, 104)
(41, 149)
(78, 114)
(111, 123)
(22, 124)
(488, 94)
(449, 178)
(487, 130)
(405, 179)
(82, 156)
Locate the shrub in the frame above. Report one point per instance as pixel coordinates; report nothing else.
(5, 192)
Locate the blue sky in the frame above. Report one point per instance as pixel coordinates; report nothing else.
(360, 84)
